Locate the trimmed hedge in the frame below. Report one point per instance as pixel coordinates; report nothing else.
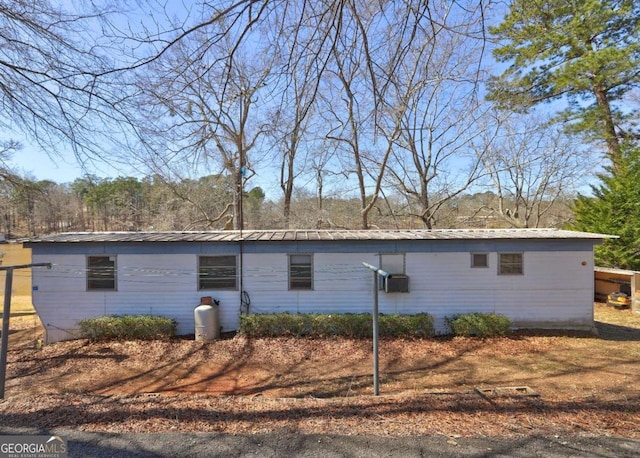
(479, 324)
(351, 325)
(128, 327)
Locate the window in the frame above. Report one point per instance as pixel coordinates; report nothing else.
(479, 260)
(101, 273)
(300, 271)
(217, 272)
(510, 264)
(392, 263)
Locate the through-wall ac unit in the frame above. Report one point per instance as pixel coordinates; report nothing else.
(396, 283)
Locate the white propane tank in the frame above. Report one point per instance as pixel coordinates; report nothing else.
(206, 317)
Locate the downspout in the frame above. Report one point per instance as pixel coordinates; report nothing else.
(240, 219)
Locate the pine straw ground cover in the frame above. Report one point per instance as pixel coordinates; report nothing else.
(526, 384)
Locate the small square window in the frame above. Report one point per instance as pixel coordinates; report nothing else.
(300, 271)
(217, 272)
(101, 273)
(510, 264)
(392, 263)
(479, 260)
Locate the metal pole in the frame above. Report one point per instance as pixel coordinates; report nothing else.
(376, 375)
(6, 313)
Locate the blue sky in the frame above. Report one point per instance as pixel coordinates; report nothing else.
(37, 164)
(33, 162)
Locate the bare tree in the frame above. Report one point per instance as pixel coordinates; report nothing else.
(361, 43)
(57, 78)
(351, 118)
(65, 73)
(353, 103)
(290, 131)
(532, 167)
(54, 208)
(435, 97)
(198, 114)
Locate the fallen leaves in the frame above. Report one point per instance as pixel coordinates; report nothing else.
(450, 386)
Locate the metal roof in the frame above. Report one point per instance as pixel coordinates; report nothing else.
(614, 271)
(316, 235)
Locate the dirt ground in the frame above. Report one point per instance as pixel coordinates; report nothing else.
(525, 384)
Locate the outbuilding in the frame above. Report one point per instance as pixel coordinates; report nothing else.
(539, 278)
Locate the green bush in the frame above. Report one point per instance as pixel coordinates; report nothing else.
(128, 327)
(350, 325)
(479, 324)
(418, 326)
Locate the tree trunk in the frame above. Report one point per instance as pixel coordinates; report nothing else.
(610, 136)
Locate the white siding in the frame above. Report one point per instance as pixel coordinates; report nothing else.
(340, 284)
(159, 284)
(555, 291)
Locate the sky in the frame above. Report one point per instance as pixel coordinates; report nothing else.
(34, 163)
(31, 160)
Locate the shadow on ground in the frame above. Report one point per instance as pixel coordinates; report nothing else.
(609, 331)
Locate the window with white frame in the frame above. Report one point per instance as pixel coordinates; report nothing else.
(300, 271)
(101, 273)
(479, 260)
(217, 272)
(510, 264)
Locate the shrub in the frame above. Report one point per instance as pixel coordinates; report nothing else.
(350, 325)
(417, 326)
(128, 327)
(479, 324)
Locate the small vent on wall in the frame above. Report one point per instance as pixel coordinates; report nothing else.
(396, 283)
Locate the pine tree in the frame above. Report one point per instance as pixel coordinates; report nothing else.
(584, 53)
(614, 208)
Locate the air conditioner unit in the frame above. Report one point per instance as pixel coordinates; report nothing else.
(396, 283)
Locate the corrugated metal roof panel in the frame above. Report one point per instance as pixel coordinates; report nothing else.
(303, 235)
(611, 270)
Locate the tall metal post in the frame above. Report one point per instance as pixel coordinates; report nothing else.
(376, 374)
(6, 314)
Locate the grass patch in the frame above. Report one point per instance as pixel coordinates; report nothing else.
(19, 304)
(611, 315)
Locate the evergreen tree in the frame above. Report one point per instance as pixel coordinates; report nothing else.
(614, 209)
(585, 53)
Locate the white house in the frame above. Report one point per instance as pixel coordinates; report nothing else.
(539, 278)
